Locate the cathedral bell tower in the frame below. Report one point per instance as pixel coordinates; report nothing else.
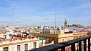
(65, 24)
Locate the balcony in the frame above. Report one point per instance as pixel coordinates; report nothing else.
(80, 44)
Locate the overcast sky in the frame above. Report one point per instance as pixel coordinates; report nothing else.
(42, 12)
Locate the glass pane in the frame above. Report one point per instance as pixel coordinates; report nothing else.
(18, 47)
(5, 49)
(26, 47)
(34, 44)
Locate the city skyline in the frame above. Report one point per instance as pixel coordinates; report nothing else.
(42, 12)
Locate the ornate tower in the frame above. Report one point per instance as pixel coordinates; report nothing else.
(65, 24)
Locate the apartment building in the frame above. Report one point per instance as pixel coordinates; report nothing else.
(57, 38)
(19, 44)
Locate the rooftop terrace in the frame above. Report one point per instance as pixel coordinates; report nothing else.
(83, 45)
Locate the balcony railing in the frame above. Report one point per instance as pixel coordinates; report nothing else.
(83, 45)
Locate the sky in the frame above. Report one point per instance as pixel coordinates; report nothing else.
(43, 12)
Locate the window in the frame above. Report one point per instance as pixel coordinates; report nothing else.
(26, 47)
(34, 45)
(5, 49)
(18, 47)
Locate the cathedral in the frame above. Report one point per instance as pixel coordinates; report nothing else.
(73, 25)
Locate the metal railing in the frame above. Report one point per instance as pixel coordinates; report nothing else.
(54, 47)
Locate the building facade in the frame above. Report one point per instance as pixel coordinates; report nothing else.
(58, 38)
(19, 45)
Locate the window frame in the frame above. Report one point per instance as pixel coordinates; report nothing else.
(25, 47)
(19, 47)
(6, 48)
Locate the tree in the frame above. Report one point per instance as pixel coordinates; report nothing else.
(5, 36)
(11, 35)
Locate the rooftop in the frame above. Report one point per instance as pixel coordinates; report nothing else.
(17, 39)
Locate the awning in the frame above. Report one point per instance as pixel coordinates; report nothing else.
(41, 38)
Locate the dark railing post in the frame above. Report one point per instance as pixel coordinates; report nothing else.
(89, 44)
(85, 45)
(73, 47)
(80, 44)
(63, 49)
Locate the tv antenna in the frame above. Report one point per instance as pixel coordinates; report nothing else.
(55, 22)
(11, 16)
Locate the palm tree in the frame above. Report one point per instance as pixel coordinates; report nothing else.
(11, 35)
(5, 36)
